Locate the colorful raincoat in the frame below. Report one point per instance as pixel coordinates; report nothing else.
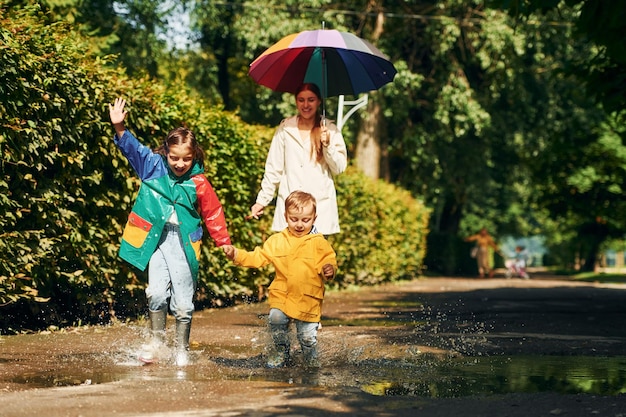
(162, 192)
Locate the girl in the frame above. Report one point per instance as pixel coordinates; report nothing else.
(164, 229)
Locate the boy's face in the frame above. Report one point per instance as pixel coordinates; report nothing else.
(180, 158)
(300, 222)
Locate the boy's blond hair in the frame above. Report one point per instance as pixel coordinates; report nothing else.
(297, 200)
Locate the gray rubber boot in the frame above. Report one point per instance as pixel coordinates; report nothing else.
(182, 343)
(279, 355)
(311, 358)
(150, 351)
(158, 320)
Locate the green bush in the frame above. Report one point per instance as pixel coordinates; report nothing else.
(383, 231)
(66, 190)
(61, 199)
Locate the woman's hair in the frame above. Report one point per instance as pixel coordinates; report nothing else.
(316, 132)
(180, 136)
(297, 200)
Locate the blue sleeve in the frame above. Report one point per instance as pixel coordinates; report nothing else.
(146, 163)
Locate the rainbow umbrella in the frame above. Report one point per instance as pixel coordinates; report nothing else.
(338, 62)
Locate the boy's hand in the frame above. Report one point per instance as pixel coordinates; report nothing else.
(329, 271)
(117, 112)
(230, 251)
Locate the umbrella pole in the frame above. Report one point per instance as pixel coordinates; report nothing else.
(324, 87)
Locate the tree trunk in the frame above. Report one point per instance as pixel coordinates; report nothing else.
(450, 216)
(369, 148)
(368, 151)
(591, 236)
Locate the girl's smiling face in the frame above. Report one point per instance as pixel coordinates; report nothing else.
(180, 158)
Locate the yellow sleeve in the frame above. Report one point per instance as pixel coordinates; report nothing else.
(325, 255)
(258, 258)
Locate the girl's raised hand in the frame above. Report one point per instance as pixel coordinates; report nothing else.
(117, 112)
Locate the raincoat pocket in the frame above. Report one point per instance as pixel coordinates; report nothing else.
(195, 238)
(314, 291)
(136, 230)
(279, 287)
(310, 306)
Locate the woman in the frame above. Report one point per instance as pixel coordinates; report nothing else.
(305, 154)
(484, 241)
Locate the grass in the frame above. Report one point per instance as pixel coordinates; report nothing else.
(602, 277)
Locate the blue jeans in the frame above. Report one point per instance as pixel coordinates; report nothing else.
(306, 333)
(169, 277)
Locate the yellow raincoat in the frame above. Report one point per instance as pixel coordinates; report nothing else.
(298, 288)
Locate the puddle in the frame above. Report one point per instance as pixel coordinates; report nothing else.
(380, 362)
(504, 375)
(417, 375)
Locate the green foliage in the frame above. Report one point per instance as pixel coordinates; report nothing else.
(603, 278)
(383, 231)
(601, 22)
(61, 204)
(480, 93)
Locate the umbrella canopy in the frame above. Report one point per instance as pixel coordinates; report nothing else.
(338, 62)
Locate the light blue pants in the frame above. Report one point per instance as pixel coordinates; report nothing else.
(169, 277)
(306, 333)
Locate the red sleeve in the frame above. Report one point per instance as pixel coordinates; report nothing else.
(211, 211)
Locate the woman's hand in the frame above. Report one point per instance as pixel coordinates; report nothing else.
(325, 136)
(255, 211)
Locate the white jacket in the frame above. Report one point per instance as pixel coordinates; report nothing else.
(291, 167)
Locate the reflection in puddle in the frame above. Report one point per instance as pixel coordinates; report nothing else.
(502, 375)
(417, 375)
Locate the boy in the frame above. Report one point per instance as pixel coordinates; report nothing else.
(304, 261)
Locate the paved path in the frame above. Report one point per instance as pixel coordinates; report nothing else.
(415, 325)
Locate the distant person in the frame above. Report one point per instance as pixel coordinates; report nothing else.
(305, 153)
(164, 229)
(484, 243)
(517, 265)
(303, 261)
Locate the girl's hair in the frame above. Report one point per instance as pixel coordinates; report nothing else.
(316, 132)
(180, 136)
(297, 200)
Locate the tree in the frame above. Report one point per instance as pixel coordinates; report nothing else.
(130, 29)
(449, 127)
(482, 99)
(580, 167)
(601, 22)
